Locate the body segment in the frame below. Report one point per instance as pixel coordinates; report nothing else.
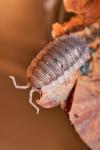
(56, 58)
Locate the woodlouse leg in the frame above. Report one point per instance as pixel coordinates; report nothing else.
(31, 102)
(18, 86)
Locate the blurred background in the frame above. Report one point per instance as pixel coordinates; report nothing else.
(25, 27)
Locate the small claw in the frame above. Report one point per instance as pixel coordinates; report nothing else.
(12, 77)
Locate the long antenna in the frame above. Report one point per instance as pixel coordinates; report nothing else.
(18, 86)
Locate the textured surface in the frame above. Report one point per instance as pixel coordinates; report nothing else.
(85, 111)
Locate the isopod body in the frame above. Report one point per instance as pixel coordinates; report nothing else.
(51, 69)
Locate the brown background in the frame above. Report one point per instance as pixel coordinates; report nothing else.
(25, 25)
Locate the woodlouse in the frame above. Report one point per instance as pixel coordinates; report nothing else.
(51, 69)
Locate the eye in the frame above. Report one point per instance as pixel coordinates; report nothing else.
(85, 68)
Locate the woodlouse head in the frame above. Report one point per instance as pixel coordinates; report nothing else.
(48, 101)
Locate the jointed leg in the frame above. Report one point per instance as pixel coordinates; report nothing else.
(18, 86)
(30, 101)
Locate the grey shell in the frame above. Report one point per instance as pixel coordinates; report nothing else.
(56, 58)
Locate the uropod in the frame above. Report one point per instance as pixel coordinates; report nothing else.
(52, 71)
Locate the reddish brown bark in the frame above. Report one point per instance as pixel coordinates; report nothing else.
(85, 110)
(87, 12)
(85, 107)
